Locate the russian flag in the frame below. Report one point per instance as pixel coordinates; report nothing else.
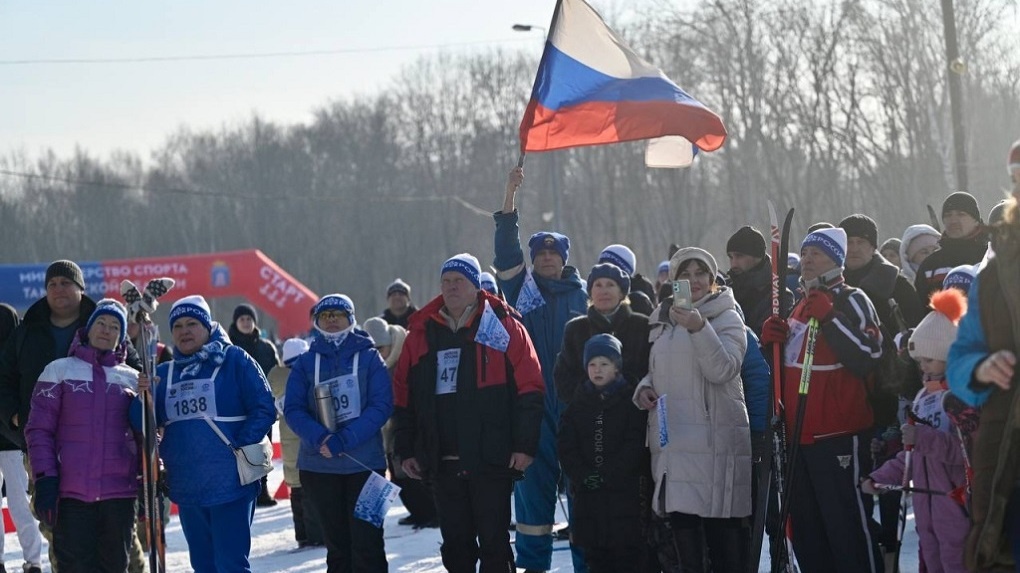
(592, 89)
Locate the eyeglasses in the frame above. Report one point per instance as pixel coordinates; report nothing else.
(332, 315)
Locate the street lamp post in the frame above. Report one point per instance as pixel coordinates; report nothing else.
(553, 171)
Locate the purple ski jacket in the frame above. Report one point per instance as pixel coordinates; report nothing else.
(936, 463)
(78, 427)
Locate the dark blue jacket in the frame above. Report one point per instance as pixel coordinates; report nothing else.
(361, 436)
(565, 298)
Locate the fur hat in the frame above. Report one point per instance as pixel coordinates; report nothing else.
(621, 256)
(604, 345)
(862, 226)
(747, 241)
(937, 331)
(961, 201)
(110, 307)
(194, 306)
(831, 241)
(465, 264)
(67, 269)
(609, 271)
(692, 253)
(292, 348)
(549, 240)
(335, 301)
(245, 310)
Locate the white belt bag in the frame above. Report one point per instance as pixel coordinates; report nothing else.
(253, 461)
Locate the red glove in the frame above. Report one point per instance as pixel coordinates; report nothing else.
(818, 305)
(774, 331)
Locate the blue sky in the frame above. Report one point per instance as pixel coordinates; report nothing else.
(134, 106)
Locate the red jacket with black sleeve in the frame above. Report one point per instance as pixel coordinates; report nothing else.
(498, 403)
(846, 350)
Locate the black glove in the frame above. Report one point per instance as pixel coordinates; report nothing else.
(47, 491)
(594, 481)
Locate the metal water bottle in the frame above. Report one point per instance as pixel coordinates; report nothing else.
(324, 407)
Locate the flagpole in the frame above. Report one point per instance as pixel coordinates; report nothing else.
(529, 112)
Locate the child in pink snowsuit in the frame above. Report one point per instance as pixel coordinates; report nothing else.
(937, 460)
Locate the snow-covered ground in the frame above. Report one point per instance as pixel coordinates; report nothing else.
(274, 549)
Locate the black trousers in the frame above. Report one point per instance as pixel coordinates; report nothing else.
(615, 559)
(93, 537)
(474, 514)
(417, 499)
(725, 537)
(306, 529)
(352, 545)
(832, 530)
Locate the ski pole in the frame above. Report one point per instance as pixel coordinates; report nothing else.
(908, 450)
(798, 427)
(908, 489)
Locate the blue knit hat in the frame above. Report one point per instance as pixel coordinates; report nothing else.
(832, 242)
(194, 306)
(663, 267)
(609, 271)
(621, 256)
(604, 345)
(960, 277)
(549, 240)
(335, 301)
(465, 264)
(487, 282)
(112, 308)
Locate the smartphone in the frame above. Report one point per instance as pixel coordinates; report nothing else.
(682, 294)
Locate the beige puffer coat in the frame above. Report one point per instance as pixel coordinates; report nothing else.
(705, 468)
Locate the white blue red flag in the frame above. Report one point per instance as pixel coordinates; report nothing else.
(592, 89)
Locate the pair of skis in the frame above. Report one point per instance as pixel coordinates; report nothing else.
(778, 470)
(141, 303)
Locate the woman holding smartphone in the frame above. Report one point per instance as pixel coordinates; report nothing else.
(697, 424)
(609, 312)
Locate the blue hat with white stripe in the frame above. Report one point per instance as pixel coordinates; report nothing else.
(832, 242)
(465, 264)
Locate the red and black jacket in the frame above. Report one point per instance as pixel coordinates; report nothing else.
(497, 408)
(846, 350)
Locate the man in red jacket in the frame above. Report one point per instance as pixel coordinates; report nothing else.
(469, 398)
(828, 513)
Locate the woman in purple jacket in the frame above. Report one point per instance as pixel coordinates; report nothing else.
(82, 450)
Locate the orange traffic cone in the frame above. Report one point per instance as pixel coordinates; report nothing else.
(283, 492)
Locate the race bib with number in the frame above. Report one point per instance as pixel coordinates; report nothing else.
(346, 397)
(345, 391)
(191, 399)
(449, 363)
(929, 407)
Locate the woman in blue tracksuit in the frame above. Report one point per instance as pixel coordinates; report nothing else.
(209, 379)
(335, 462)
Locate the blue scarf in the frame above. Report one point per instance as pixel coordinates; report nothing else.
(214, 351)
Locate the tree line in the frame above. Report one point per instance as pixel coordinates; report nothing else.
(831, 107)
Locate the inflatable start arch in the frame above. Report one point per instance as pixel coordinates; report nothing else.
(249, 274)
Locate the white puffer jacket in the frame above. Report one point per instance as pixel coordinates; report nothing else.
(705, 468)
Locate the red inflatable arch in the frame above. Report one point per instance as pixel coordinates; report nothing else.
(249, 274)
